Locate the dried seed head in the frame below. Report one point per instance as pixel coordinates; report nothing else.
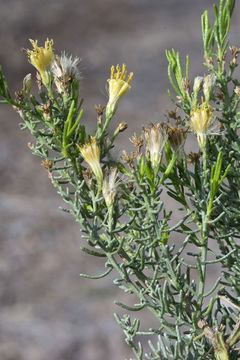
(129, 159)
(99, 109)
(48, 164)
(172, 114)
(235, 51)
(137, 142)
(177, 138)
(45, 108)
(65, 70)
(194, 157)
(19, 96)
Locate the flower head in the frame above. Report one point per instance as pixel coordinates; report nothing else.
(118, 87)
(177, 138)
(90, 153)
(155, 137)
(201, 122)
(109, 188)
(65, 70)
(41, 58)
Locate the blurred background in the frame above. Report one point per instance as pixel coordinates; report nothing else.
(47, 312)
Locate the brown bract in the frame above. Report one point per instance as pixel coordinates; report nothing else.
(177, 137)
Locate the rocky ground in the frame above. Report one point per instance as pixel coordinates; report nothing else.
(46, 311)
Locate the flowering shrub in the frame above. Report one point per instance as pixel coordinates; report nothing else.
(119, 205)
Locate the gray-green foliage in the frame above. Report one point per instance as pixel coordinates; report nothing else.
(156, 258)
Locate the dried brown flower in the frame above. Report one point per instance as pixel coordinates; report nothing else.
(129, 159)
(235, 51)
(177, 138)
(194, 157)
(137, 142)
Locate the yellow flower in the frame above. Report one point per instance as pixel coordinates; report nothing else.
(90, 153)
(201, 122)
(41, 58)
(118, 87)
(155, 137)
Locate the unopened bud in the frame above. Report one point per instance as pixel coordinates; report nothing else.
(122, 126)
(27, 83)
(208, 85)
(109, 188)
(197, 84)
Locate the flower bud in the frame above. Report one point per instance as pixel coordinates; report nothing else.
(208, 86)
(122, 126)
(197, 85)
(109, 188)
(27, 84)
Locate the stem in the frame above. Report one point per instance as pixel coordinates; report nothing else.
(50, 91)
(110, 218)
(105, 126)
(135, 290)
(168, 169)
(204, 228)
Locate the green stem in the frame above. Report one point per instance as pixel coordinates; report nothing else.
(168, 169)
(135, 290)
(110, 218)
(51, 93)
(204, 229)
(105, 126)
